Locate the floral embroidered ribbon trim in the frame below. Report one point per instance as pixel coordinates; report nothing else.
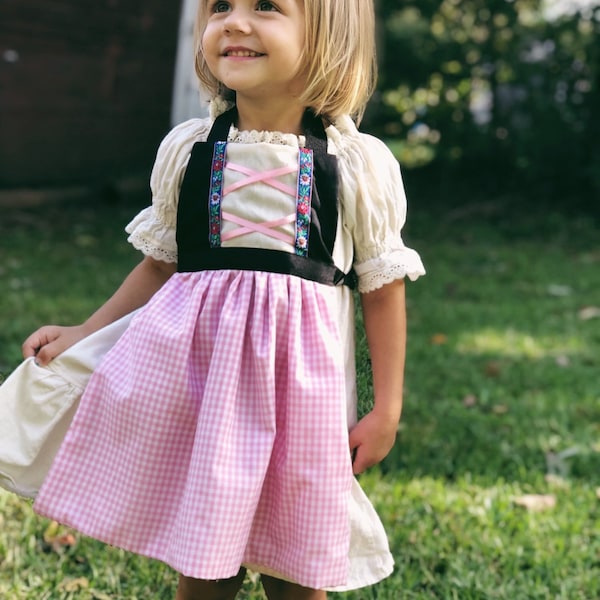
(302, 195)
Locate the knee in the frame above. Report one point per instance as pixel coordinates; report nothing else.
(277, 589)
(200, 589)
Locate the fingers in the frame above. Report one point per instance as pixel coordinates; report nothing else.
(48, 342)
(35, 343)
(365, 456)
(369, 443)
(47, 352)
(359, 463)
(359, 452)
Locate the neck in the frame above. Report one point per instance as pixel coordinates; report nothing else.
(285, 117)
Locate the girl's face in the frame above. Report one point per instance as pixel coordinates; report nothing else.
(254, 47)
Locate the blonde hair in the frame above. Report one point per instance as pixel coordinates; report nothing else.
(339, 59)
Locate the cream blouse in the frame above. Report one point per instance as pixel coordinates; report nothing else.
(372, 200)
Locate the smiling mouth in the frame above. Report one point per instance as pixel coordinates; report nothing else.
(243, 53)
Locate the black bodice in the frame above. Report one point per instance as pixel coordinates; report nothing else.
(196, 247)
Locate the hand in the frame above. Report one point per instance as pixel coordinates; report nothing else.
(371, 440)
(49, 341)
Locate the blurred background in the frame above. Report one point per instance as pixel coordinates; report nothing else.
(88, 90)
(498, 97)
(494, 99)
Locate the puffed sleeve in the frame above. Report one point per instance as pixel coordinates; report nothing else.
(153, 230)
(373, 208)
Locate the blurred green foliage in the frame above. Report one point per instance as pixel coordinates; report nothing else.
(503, 94)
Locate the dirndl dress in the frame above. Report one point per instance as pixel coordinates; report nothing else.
(214, 434)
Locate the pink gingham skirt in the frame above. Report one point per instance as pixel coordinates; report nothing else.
(214, 433)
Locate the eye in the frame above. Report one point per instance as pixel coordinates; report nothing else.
(219, 7)
(265, 6)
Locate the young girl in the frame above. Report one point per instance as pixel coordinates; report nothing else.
(220, 433)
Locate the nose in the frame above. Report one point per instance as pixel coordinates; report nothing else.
(237, 20)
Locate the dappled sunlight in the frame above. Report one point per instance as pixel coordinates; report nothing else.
(513, 343)
(508, 529)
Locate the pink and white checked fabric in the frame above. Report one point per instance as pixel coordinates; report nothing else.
(214, 433)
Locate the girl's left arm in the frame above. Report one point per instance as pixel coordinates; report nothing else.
(384, 313)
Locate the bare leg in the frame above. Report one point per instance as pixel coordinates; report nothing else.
(199, 589)
(277, 589)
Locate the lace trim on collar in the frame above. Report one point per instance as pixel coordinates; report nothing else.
(269, 137)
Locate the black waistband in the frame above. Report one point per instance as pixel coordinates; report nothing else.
(260, 259)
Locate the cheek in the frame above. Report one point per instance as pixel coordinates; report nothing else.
(208, 41)
(203, 42)
(208, 51)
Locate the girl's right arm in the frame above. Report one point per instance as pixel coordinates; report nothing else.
(138, 287)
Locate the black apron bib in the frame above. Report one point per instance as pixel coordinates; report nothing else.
(194, 248)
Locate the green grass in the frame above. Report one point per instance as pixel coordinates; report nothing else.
(502, 400)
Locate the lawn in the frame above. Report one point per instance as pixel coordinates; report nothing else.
(493, 489)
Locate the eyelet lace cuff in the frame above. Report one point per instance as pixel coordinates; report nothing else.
(398, 264)
(152, 237)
